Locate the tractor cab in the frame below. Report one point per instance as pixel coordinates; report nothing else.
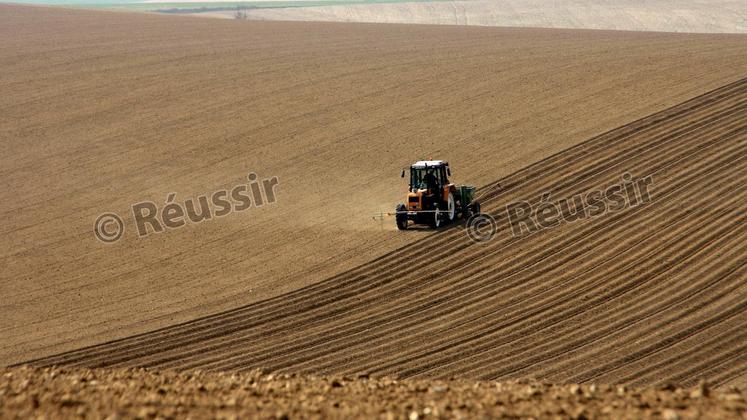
(433, 171)
(432, 199)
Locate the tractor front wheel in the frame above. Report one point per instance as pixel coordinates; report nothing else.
(434, 220)
(401, 217)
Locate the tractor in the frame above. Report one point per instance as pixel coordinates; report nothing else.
(432, 199)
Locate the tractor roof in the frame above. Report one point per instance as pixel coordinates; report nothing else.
(428, 163)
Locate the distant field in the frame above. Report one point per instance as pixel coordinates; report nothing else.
(691, 16)
(694, 16)
(207, 6)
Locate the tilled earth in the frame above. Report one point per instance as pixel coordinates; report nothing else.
(644, 296)
(101, 110)
(56, 393)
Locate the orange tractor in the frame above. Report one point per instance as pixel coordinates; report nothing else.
(432, 199)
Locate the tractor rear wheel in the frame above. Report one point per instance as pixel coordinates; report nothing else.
(451, 208)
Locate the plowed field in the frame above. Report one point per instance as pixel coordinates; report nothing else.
(652, 294)
(101, 110)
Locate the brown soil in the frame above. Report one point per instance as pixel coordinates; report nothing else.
(101, 110)
(650, 295)
(65, 393)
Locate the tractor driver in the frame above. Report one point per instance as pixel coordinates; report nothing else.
(431, 182)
